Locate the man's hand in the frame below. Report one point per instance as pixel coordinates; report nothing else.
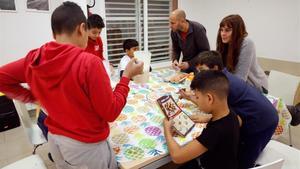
(184, 65)
(134, 67)
(175, 65)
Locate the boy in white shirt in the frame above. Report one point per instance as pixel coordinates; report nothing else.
(129, 46)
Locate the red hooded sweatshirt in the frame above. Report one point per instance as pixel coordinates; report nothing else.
(71, 85)
(95, 47)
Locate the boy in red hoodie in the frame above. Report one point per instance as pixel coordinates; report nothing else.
(75, 91)
(95, 26)
(95, 46)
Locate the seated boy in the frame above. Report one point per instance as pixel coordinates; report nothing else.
(218, 143)
(258, 115)
(129, 46)
(95, 25)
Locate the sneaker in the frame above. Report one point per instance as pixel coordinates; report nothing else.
(295, 113)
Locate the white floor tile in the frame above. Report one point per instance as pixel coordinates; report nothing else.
(2, 138)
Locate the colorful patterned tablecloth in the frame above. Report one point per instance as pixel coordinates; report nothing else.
(138, 132)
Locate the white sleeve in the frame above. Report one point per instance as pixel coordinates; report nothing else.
(123, 63)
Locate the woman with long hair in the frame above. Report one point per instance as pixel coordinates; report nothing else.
(238, 52)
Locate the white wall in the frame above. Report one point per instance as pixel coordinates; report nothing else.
(24, 30)
(82, 4)
(274, 25)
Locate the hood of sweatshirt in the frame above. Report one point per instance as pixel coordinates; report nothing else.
(52, 62)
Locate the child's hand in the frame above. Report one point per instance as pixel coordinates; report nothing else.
(134, 67)
(183, 94)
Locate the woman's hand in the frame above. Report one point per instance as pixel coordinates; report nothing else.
(201, 118)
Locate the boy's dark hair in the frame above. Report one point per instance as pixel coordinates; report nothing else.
(66, 18)
(211, 81)
(210, 58)
(95, 21)
(129, 43)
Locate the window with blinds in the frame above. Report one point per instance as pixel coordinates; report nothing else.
(125, 20)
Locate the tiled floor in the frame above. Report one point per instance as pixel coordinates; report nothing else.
(14, 145)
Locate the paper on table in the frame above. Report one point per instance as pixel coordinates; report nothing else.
(144, 56)
(182, 122)
(180, 58)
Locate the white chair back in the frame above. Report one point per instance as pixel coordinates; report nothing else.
(34, 133)
(276, 150)
(283, 85)
(272, 165)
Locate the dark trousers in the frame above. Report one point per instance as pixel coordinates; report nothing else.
(251, 146)
(41, 123)
(193, 164)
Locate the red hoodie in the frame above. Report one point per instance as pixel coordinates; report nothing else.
(71, 85)
(95, 47)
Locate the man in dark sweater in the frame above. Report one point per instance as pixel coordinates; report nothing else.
(189, 38)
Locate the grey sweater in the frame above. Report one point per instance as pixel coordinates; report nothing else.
(248, 68)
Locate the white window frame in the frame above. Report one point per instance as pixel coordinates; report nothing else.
(145, 36)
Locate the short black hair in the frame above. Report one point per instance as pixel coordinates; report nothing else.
(129, 43)
(211, 81)
(95, 21)
(66, 18)
(209, 58)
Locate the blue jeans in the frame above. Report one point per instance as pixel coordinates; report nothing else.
(251, 146)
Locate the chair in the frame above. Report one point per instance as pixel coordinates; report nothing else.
(285, 86)
(34, 133)
(276, 150)
(272, 165)
(30, 162)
